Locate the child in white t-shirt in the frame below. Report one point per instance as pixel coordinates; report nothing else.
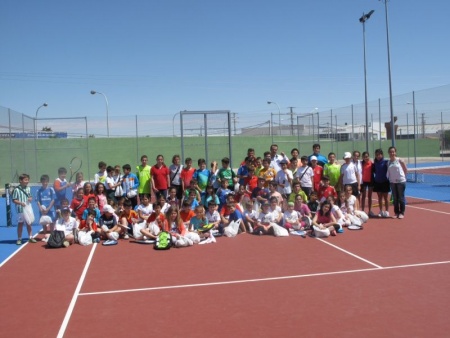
(250, 217)
(145, 209)
(213, 215)
(266, 219)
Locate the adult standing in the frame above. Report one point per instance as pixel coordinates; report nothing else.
(175, 172)
(321, 159)
(396, 174)
(160, 177)
(276, 158)
(381, 183)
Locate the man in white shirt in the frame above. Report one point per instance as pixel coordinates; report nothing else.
(275, 159)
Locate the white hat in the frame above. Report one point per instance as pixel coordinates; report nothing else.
(347, 155)
(313, 158)
(108, 208)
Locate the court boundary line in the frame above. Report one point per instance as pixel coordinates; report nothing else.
(69, 311)
(257, 280)
(350, 254)
(437, 211)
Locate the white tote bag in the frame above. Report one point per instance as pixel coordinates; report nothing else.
(321, 233)
(28, 213)
(232, 229)
(85, 238)
(279, 231)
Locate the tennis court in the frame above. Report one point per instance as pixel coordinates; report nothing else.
(389, 279)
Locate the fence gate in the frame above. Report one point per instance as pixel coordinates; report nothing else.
(206, 134)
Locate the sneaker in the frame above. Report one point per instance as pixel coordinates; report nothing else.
(96, 240)
(401, 216)
(32, 240)
(372, 214)
(126, 237)
(19, 242)
(66, 244)
(44, 239)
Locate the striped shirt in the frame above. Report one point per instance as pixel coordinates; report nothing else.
(21, 194)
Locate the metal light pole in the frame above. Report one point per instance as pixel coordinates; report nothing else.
(414, 123)
(363, 20)
(391, 105)
(173, 123)
(93, 92)
(279, 115)
(36, 136)
(35, 119)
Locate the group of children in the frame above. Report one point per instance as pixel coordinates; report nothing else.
(307, 195)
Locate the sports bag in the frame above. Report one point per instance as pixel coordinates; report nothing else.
(56, 239)
(163, 241)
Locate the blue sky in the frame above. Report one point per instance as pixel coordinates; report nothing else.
(156, 58)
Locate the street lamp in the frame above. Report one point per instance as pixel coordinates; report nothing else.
(35, 120)
(279, 115)
(391, 105)
(363, 20)
(414, 123)
(93, 92)
(36, 136)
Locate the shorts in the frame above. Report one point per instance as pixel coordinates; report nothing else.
(365, 185)
(383, 187)
(20, 218)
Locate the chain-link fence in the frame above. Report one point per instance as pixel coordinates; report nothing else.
(41, 145)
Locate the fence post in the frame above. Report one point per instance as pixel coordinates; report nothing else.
(8, 205)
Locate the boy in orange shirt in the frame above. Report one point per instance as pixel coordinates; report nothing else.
(127, 218)
(186, 213)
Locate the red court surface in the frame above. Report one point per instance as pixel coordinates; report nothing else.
(388, 280)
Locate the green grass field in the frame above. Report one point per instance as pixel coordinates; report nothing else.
(47, 155)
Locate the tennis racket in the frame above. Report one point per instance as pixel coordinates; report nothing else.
(74, 166)
(355, 227)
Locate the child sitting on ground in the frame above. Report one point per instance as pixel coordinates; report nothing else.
(265, 220)
(186, 213)
(250, 218)
(88, 227)
(127, 218)
(109, 229)
(324, 219)
(313, 204)
(213, 215)
(145, 209)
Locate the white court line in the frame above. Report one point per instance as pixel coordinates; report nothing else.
(63, 327)
(436, 211)
(351, 254)
(259, 279)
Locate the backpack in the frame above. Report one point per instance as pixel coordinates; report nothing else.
(163, 241)
(56, 239)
